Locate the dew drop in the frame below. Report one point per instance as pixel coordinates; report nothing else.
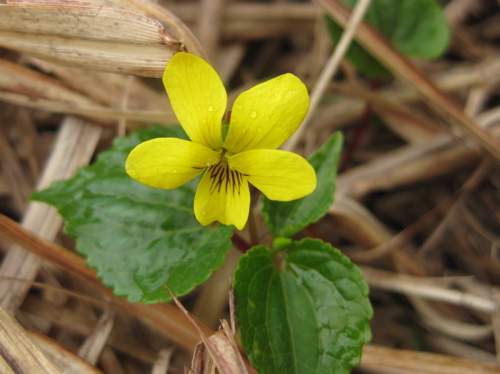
(210, 108)
(238, 106)
(174, 171)
(253, 114)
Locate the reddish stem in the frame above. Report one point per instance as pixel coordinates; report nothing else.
(359, 130)
(240, 243)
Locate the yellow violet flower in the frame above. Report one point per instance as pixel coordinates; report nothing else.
(262, 119)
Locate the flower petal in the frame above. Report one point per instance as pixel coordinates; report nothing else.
(223, 195)
(168, 162)
(198, 98)
(280, 175)
(268, 114)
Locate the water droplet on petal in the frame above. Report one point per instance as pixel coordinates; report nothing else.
(174, 171)
(238, 106)
(253, 114)
(210, 108)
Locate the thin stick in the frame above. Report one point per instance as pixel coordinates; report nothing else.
(403, 69)
(74, 147)
(331, 68)
(422, 287)
(122, 122)
(209, 25)
(378, 359)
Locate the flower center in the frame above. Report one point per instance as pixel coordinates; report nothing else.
(223, 178)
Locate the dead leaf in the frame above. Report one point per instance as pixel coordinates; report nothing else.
(89, 36)
(220, 349)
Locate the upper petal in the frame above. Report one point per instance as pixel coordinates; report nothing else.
(223, 195)
(198, 98)
(168, 162)
(280, 175)
(268, 114)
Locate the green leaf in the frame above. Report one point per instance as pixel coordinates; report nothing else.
(286, 218)
(138, 238)
(302, 311)
(417, 28)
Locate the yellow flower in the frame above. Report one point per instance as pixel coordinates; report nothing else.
(262, 119)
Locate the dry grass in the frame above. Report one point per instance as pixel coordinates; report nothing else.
(417, 202)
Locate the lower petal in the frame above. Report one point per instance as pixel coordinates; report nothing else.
(223, 195)
(280, 175)
(168, 162)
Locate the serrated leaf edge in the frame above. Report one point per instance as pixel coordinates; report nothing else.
(288, 229)
(365, 336)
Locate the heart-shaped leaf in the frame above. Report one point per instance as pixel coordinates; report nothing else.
(305, 310)
(138, 238)
(416, 28)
